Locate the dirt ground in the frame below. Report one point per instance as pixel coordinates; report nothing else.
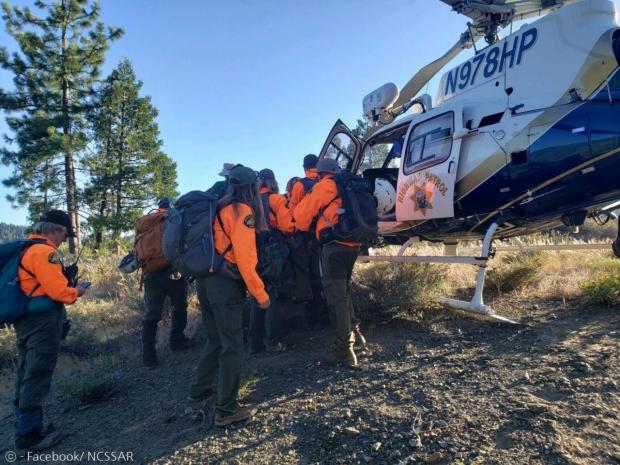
(449, 389)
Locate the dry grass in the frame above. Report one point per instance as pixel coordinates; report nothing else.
(104, 324)
(382, 290)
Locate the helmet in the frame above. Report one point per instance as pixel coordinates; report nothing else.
(328, 165)
(385, 195)
(129, 263)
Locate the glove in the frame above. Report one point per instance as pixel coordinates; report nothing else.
(66, 327)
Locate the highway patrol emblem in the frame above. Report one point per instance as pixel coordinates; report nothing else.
(54, 258)
(249, 221)
(422, 197)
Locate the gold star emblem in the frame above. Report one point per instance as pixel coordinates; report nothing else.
(422, 197)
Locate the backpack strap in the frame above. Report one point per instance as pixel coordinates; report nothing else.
(21, 256)
(267, 207)
(219, 220)
(322, 211)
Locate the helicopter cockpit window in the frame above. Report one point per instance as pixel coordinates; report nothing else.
(384, 151)
(430, 142)
(342, 149)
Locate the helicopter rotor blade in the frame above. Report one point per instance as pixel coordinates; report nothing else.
(419, 80)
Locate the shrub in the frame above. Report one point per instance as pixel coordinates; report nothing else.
(95, 380)
(382, 290)
(605, 288)
(80, 342)
(8, 350)
(516, 271)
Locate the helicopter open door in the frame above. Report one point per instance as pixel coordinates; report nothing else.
(427, 173)
(342, 146)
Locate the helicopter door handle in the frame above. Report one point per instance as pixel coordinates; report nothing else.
(450, 165)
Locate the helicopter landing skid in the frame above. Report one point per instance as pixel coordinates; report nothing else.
(476, 305)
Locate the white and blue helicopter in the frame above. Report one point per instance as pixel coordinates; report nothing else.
(523, 136)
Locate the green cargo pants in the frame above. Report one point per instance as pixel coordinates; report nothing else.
(38, 337)
(222, 302)
(157, 286)
(337, 262)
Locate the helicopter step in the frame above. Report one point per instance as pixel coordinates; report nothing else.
(476, 305)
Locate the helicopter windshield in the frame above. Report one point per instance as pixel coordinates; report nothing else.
(384, 151)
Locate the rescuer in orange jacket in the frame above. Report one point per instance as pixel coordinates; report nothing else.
(279, 214)
(222, 295)
(41, 329)
(264, 330)
(337, 258)
(306, 250)
(304, 185)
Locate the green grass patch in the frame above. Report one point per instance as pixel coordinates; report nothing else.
(604, 287)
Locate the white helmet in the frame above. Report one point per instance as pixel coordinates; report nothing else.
(385, 195)
(129, 263)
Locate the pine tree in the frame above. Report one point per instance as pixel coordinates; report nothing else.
(128, 170)
(55, 70)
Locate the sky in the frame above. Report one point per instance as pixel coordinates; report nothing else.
(261, 82)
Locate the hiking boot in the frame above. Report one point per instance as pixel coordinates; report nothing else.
(243, 413)
(200, 402)
(361, 346)
(346, 358)
(360, 340)
(179, 344)
(36, 441)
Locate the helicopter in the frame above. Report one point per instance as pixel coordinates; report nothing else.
(523, 136)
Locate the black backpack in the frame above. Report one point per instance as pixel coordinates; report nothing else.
(273, 250)
(308, 183)
(187, 241)
(357, 219)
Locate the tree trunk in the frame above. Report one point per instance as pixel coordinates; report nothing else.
(119, 180)
(99, 233)
(71, 187)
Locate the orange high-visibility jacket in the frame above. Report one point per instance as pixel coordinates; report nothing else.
(298, 192)
(43, 261)
(324, 195)
(238, 222)
(279, 215)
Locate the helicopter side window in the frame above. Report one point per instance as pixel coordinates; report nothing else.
(384, 151)
(430, 142)
(342, 149)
